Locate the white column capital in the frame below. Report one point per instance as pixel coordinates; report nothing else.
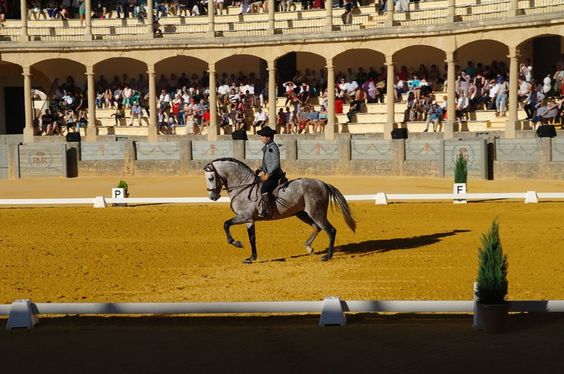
(271, 64)
(151, 69)
(514, 53)
(389, 60)
(89, 70)
(450, 57)
(26, 70)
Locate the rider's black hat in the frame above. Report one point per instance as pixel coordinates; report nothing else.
(266, 131)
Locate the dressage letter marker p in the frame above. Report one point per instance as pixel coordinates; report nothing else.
(118, 193)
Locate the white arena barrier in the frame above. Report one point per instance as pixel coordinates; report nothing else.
(23, 313)
(380, 198)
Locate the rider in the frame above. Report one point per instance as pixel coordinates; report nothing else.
(269, 172)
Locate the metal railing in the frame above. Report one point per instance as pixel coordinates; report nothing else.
(313, 21)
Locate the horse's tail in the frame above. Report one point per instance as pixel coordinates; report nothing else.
(337, 197)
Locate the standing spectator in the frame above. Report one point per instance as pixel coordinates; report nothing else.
(501, 98)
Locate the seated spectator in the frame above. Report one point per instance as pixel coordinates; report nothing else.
(303, 121)
(323, 118)
(435, 115)
(35, 9)
(119, 113)
(260, 118)
(48, 123)
(135, 113)
(462, 105)
(531, 102)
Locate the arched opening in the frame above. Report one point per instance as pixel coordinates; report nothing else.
(114, 76)
(421, 61)
(180, 71)
(360, 64)
(242, 91)
(302, 67)
(12, 113)
(61, 85)
(488, 57)
(545, 54)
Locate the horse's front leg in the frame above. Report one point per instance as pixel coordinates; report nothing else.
(252, 240)
(237, 220)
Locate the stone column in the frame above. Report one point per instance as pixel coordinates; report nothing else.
(88, 19)
(23, 12)
(28, 105)
(390, 102)
(153, 131)
(451, 96)
(329, 20)
(91, 87)
(451, 11)
(271, 22)
(389, 13)
(150, 19)
(211, 19)
(330, 127)
(212, 130)
(511, 122)
(272, 92)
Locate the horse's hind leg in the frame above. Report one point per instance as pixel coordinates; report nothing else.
(252, 239)
(323, 223)
(304, 217)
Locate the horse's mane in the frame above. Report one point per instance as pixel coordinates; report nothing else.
(234, 160)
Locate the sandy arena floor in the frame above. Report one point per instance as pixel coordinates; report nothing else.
(179, 253)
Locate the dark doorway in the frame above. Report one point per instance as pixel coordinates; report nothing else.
(286, 67)
(546, 53)
(15, 110)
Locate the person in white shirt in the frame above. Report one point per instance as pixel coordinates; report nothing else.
(260, 118)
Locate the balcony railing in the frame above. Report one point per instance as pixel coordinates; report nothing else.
(427, 13)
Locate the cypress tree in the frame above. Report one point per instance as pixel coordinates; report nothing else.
(492, 268)
(461, 169)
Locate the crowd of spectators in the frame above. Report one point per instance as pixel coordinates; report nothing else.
(67, 110)
(242, 100)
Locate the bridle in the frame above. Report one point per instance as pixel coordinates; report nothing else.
(219, 181)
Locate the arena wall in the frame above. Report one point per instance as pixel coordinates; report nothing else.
(420, 155)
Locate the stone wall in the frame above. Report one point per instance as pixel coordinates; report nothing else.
(488, 156)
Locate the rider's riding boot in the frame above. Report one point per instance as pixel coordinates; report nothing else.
(265, 206)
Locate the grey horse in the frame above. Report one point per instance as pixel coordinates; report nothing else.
(307, 199)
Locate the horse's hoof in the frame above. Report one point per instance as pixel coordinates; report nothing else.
(326, 258)
(249, 260)
(236, 243)
(309, 249)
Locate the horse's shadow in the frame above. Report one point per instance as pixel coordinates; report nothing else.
(370, 247)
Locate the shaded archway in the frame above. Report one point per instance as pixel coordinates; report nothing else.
(301, 67)
(12, 117)
(544, 53)
(49, 74)
(358, 64)
(179, 71)
(239, 66)
(489, 57)
(116, 71)
(423, 61)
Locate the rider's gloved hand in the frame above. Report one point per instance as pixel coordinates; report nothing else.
(258, 171)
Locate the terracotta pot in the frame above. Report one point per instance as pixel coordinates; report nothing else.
(492, 317)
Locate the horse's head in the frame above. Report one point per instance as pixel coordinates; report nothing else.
(214, 182)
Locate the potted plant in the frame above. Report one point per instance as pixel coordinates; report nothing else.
(491, 288)
(123, 184)
(460, 177)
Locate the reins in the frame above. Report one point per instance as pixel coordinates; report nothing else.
(217, 189)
